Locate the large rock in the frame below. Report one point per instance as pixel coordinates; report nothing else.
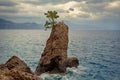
(55, 51)
(54, 57)
(16, 69)
(16, 63)
(18, 75)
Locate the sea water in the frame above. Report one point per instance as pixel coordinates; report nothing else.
(98, 52)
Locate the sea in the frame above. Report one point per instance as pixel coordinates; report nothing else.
(98, 52)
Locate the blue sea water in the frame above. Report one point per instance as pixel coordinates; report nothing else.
(98, 52)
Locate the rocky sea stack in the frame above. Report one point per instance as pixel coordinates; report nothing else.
(54, 58)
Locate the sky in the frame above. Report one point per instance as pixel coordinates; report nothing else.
(78, 14)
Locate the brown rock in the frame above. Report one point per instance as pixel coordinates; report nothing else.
(55, 51)
(72, 62)
(6, 78)
(19, 75)
(3, 68)
(16, 63)
(16, 69)
(54, 57)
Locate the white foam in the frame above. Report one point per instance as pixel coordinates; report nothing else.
(79, 70)
(71, 74)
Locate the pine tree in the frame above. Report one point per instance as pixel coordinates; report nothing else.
(52, 16)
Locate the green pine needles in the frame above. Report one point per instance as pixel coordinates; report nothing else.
(52, 16)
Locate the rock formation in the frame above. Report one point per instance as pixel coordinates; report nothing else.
(18, 75)
(71, 62)
(54, 57)
(16, 69)
(15, 63)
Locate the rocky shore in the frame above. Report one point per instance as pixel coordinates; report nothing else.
(16, 69)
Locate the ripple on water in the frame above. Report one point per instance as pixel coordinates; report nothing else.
(98, 52)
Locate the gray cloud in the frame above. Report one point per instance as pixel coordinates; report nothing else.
(42, 2)
(83, 16)
(7, 3)
(8, 10)
(99, 1)
(85, 11)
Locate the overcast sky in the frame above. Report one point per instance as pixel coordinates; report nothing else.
(82, 14)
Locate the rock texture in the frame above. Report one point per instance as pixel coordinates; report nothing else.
(18, 75)
(16, 69)
(54, 57)
(72, 62)
(16, 63)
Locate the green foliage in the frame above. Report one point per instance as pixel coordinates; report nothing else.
(52, 16)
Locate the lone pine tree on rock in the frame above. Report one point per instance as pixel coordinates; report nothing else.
(54, 58)
(52, 16)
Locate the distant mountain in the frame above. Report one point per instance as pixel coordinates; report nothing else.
(5, 24)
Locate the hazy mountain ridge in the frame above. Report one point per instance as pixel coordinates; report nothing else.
(5, 24)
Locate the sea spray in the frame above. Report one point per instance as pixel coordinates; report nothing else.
(71, 74)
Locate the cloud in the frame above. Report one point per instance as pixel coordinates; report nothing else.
(112, 5)
(42, 2)
(7, 3)
(85, 11)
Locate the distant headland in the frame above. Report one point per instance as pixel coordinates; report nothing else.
(6, 24)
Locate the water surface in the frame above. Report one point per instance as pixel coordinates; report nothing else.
(98, 52)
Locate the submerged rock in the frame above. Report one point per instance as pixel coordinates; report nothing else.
(16, 69)
(54, 57)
